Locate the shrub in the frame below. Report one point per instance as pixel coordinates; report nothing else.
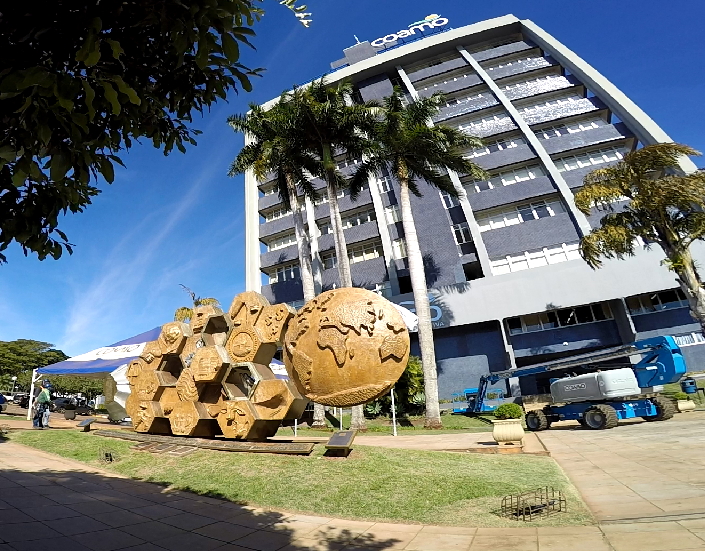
(508, 411)
(680, 396)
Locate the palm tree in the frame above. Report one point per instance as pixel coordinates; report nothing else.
(275, 147)
(665, 207)
(412, 150)
(330, 123)
(185, 313)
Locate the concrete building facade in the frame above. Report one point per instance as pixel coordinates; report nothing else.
(507, 284)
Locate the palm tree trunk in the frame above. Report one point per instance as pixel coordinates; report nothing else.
(692, 287)
(302, 242)
(304, 246)
(357, 421)
(423, 309)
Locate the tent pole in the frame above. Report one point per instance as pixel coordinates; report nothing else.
(35, 378)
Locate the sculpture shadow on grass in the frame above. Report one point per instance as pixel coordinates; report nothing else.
(61, 509)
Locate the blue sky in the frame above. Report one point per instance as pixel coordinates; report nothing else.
(179, 219)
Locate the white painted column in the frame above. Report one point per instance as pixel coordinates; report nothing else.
(482, 255)
(382, 226)
(253, 277)
(643, 126)
(563, 188)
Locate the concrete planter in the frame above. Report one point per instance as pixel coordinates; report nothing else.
(685, 405)
(507, 431)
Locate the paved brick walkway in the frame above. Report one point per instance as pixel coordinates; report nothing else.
(48, 502)
(637, 471)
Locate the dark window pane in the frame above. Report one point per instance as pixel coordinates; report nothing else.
(532, 322)
(542, 211)
(599, 312)
(514, 326)
(583, 314)
(552, 320)
(566, 317)
(669, 299)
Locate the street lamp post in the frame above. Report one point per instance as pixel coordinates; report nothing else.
(14, 380)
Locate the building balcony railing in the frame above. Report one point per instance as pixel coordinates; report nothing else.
(280, 256)
(504, 195)
(277, 226)
(602, 134)
(548, 113)
(345, 203)
(435, 70)
(505, 157)
(365, 274)
(520, 67)
(505, 49)
(534, 234)
(355, 234)
(475, 104)
(455, 85)
(491, 127)
(536, 87)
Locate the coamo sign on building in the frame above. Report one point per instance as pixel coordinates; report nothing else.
(430, 22)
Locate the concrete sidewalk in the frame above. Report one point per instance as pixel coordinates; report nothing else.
(639, 471)
(51, 502)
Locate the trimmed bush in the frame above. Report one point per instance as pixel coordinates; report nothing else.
(681, 396)
(508, 411)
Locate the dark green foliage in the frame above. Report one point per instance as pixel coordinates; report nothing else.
(680, 396)
(508, 411)
(81, 81)
(24, 355)
(408, 393)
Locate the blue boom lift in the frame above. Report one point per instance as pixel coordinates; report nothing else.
(600, 399)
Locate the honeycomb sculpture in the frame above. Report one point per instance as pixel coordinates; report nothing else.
(212, 376)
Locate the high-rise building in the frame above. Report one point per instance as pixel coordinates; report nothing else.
(507, 284)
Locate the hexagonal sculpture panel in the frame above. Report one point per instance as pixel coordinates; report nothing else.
(173, 337)
(246, 344)
(238, 419)
(192, 344)
(200, 317)
(216, 329)
(186, 388)
(149, 385)
(192, 419)
(276, 399)
(246, 308)
(151, 353)
(209, 364)
(149, 417)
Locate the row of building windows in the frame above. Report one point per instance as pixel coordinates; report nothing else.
(462, 233)
(350, 221)
(516, 61)
(558, 130)
(565, 317)
(392, 214)
(489, 120)
(445, 80)
(505, 178)
(592, 158)
(517, 214)
(347, 162)
(655, 302)
(535, 258)
(356, 253)
(556, 102)
(285, 273)
(689, 339)
(281, 242)
(498, 145)
(538, 81)
(458, 101)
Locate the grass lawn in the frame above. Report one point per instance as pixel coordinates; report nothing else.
(12, 417)
(412, 425)
(373, 483)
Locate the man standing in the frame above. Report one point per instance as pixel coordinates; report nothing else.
(41, 416)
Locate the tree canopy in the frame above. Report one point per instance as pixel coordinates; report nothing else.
(665, 207)
(81, 81)
(26, 354)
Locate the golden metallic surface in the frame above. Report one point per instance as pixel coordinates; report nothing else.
(343, 348)
(173, 337)
(346, 347)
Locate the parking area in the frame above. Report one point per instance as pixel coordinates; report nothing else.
(638, 472)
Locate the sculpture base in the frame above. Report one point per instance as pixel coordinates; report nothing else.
(221, 444)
